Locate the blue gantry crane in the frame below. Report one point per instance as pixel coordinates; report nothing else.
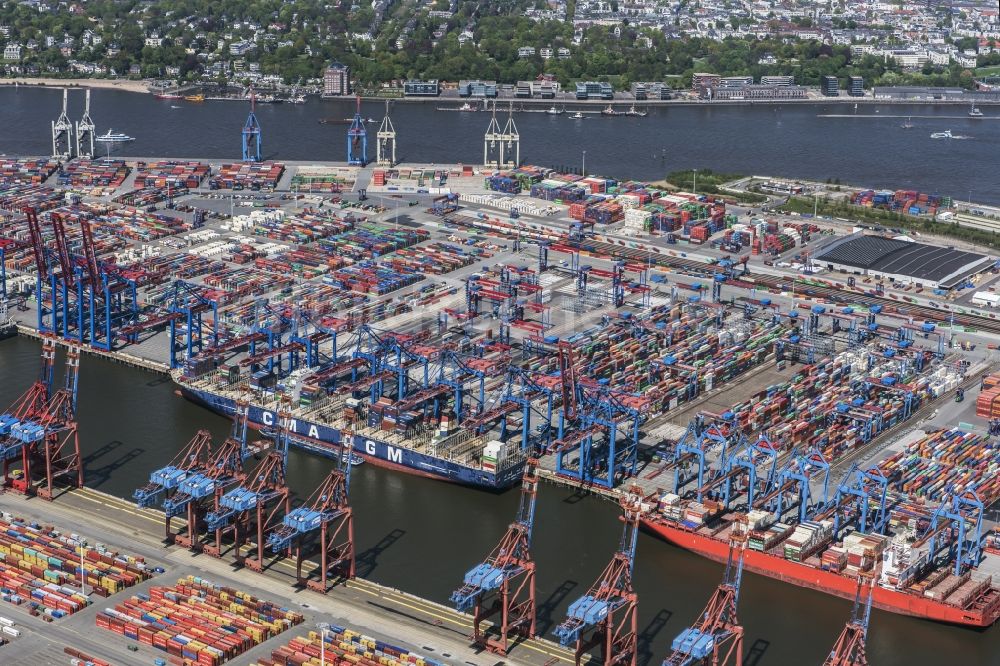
(357, 139)
(716, 637)
(849, 650)
(505, 582)
(252, 134)
(861, 500)
(704, 433)
(607, 615)
(957, 526)
(325, 521)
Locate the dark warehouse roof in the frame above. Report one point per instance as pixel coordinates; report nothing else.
(931, 263)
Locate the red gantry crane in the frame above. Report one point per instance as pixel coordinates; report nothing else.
(849, 649)
(505, 583)
(609, 610)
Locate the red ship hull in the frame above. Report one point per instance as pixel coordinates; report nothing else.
(773, 566)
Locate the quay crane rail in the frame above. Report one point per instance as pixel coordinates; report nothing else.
(609, 610)
(327, 518)
(849, 650)
(716, 638)
(505, 582)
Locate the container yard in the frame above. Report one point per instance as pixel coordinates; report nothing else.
(609, 336)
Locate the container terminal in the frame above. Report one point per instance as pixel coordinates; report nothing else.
(501, 325)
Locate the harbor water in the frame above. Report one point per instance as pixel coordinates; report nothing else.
(421, 535)
(819, 141)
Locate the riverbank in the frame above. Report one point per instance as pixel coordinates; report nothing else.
(125, 85)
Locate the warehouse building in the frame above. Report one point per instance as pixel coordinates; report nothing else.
(902, 261)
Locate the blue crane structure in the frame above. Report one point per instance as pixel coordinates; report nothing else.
(704, 433)
(716, 637)
(41, 429)
(861, 500)
(505, 582)
(607, 615)
(598, 432)
(357, 139)
(849, 650)
(325, 522)
(86, 301)
(252, 134)
(957, 526)
(794, 487)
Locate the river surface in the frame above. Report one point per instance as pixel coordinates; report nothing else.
(867, 147)
(421, 535)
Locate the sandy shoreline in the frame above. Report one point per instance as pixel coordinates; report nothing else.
(106, 84)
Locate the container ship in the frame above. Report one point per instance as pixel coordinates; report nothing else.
(374, 432)
(932, 559)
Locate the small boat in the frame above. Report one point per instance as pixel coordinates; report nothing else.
(577, 116)
(975, 113)
(907, 124)
(633, 112)
(335, 121)
(371, 120)
(194, 98)
(114, 137)
(353, 458)
(609, 111)
(553, 111)
(942, 135)
(300, 99)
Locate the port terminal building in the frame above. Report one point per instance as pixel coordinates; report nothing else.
(902, 261)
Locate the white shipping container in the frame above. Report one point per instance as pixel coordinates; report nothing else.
(11, 631)
(6, 621)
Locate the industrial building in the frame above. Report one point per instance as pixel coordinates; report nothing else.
(337, 80)
(477, 89)
(903, 261)
(417, 88)
(758, 92)
(594, 90)
(652, 90)
(830, 86)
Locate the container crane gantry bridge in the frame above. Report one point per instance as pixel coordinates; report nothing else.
(849, 650)
(609, 612)
(716, 638)
(41, 429)
(326, 521)
(505, 583)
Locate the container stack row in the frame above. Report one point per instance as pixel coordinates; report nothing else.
(247, 176)
(198, 621)
(26, 171)
(17, 197)
(343, 647)
(171, 173)
(94, 174)
(45, 569)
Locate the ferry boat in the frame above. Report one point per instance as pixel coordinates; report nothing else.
(167, 96)
(322, 429)
(194, 98)
(114, 137)
(942, 135)
(982, 610)
(975, 112)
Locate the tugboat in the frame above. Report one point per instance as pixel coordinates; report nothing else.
(577, 116)
(553, 111)
(975, 113)
(907, 124)
(633, 112)
(609, 111)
